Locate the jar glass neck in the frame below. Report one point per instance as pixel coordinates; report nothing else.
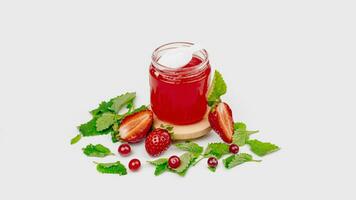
(201, 54)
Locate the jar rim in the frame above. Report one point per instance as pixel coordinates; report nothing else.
(173, 45)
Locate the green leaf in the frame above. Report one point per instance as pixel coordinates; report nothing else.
(103, 108)
(76, 139)
(240, 126)
(217, 88)
(98, 150)
(159, 161)
(161, 166)
(89, 129)
(160, 169)
(186, 161)
(190, 147)
(213, 169)
(235, 160)
(130, 106)
(105, 121)
(122, 100)
(217, 149)
(241, 135)
(262, 148)
(111, 168)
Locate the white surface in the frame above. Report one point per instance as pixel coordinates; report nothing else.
(289, 65)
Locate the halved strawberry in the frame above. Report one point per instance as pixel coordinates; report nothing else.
(135, 127)
(221, 120)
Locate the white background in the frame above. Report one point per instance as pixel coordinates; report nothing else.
(289, 65)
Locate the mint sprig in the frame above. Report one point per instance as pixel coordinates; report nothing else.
(235, 160)
(98, 150)
(262, 148)
(217, 150)
(241, 134)
(217, 89)
(111, 168)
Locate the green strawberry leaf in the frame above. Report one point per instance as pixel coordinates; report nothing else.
(235, 160)
(98, 150)
(262, 148)
(122, 100)
(191, 147)
(111, 168)
(217, 149)
(105, 121)
(76, 139)
(217, 89)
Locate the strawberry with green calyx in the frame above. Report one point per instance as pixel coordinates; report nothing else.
(220, 115)
(159, 140)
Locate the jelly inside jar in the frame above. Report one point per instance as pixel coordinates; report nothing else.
(180, 100)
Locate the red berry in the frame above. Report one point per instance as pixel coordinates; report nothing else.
(134, 164)
(157, 142)
(124, 149)
(174, 162)
(213, 162)
(234, 149)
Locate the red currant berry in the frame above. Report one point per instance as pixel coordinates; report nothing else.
(124, 149)
(234, 149)
(134, 164)
(213, 162)
(174, 162)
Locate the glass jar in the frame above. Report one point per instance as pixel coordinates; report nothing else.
(178, 95)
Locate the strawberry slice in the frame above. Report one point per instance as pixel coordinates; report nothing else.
(221, 120)
(135, 127)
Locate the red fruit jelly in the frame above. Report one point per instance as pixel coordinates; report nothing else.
(178, 95)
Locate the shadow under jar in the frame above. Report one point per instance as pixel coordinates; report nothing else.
(178, 95)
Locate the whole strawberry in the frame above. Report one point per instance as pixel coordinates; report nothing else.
(221, 120)
(158, 141)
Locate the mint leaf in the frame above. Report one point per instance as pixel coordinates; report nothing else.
(159, 161)
(160, 169)
(76, 139)
(89, 129)
(105, 121)
(122, 100)
(235, 160)
(185, 162)
(217, 89)
(103, 108)
(161, 166)
(190, 147)
(98, 150)
(217, 149)
(111, 168)
(262, 148)
(240, 126)
(241, 135)
(213, 169)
